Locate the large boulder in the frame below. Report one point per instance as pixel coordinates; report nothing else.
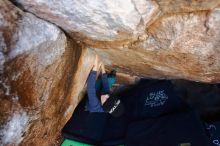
(97, 22)
(162, 39)
(37, 92)
(185, 45)
(43, 71)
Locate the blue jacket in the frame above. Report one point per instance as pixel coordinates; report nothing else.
(94, 104)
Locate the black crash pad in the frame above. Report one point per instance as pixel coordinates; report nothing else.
(154, 115)
(95, 128)
(170, 130)
(213, 130)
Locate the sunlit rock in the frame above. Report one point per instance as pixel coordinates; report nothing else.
(180, 6)
(43, 71)
(97, 20)
(185, 45)
(38, 63)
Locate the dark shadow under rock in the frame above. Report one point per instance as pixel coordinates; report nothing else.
(203, 97)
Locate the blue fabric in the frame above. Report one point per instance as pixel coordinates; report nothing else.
(111, 81)
(94, 105)
(98, 84)
(105, 84)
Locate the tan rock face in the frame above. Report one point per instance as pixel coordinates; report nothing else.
(97, 22)
(179, 6)
(172, 39)
(37, 67)
(43, 72)
(183, 45)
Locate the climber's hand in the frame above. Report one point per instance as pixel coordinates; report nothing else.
(103, 68)
(95, 65)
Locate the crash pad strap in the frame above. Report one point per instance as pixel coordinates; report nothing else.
(68, 142)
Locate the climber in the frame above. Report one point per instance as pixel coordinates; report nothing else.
(98, 119)
(107, 103)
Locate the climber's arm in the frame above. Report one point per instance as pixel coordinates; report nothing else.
(105, 84)
(94, 105)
